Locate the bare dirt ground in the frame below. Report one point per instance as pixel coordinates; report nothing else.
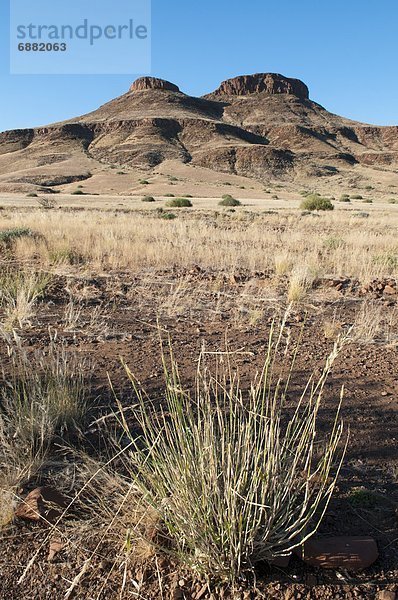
(119, 313)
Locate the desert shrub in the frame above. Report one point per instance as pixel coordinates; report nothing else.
(168, 216)
(315, 202)
(143, 182)
(66, 255)
(357, 197)
(31, 195)
(228, 200)
(46, 203)
(393, 201)
(148, 199)
(169, 195)
(344, 198)
(334, 242)
(367, 201)
(275, 197)
(77, 193)
(362, 498)
(121, 173)
(369, 188)
(233, 478)
(179, 203)
(9, 235)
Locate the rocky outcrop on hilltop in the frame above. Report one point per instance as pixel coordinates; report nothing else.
(270, 83)
(153, 83)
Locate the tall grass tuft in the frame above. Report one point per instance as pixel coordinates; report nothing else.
(19, 291)
(45, 395)
(234, 477)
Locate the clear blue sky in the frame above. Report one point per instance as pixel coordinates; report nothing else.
(345, 50)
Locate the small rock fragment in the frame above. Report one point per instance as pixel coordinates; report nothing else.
(352, 553)
(42, 504)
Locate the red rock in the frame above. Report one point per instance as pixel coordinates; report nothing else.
(271, 83)
(353, 553)
(42, 504)
(153, 83)
(55, 547)
(390, 290)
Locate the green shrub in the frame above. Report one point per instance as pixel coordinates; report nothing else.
(148, 199)
(77, 193)
(393, 201)
(169, 195)
(228, 200)
(369, 187)
(179, 203)
(315, 202)
(233, 478)
(8, 235)
(168, 216)
(357, 197)
(143, 182)
(344, 199)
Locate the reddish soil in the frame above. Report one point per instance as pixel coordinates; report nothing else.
(129, 330)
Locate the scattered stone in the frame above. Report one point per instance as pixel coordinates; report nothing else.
(390, 290)
(55, 548)
(281, 562)
(387, 595)
(42, 504)
(351, 553)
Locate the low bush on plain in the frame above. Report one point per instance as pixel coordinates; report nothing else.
(179, 203)
(315, 202)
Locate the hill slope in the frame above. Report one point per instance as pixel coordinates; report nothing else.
(262, 126)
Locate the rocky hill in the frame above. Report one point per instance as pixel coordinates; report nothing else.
(260, 126)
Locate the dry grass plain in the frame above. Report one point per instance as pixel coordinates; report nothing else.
(95, 281)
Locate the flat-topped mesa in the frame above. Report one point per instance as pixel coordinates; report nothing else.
(271, 83)
(153, 83)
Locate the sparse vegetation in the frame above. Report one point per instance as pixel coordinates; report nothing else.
(78, 193)
(228, 200)
(148, 199)
(19, 291)
(315, 202)
(179, 203)
(207, 458)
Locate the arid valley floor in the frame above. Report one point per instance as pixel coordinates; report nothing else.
(116, 275)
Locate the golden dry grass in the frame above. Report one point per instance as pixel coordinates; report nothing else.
(338, 244)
